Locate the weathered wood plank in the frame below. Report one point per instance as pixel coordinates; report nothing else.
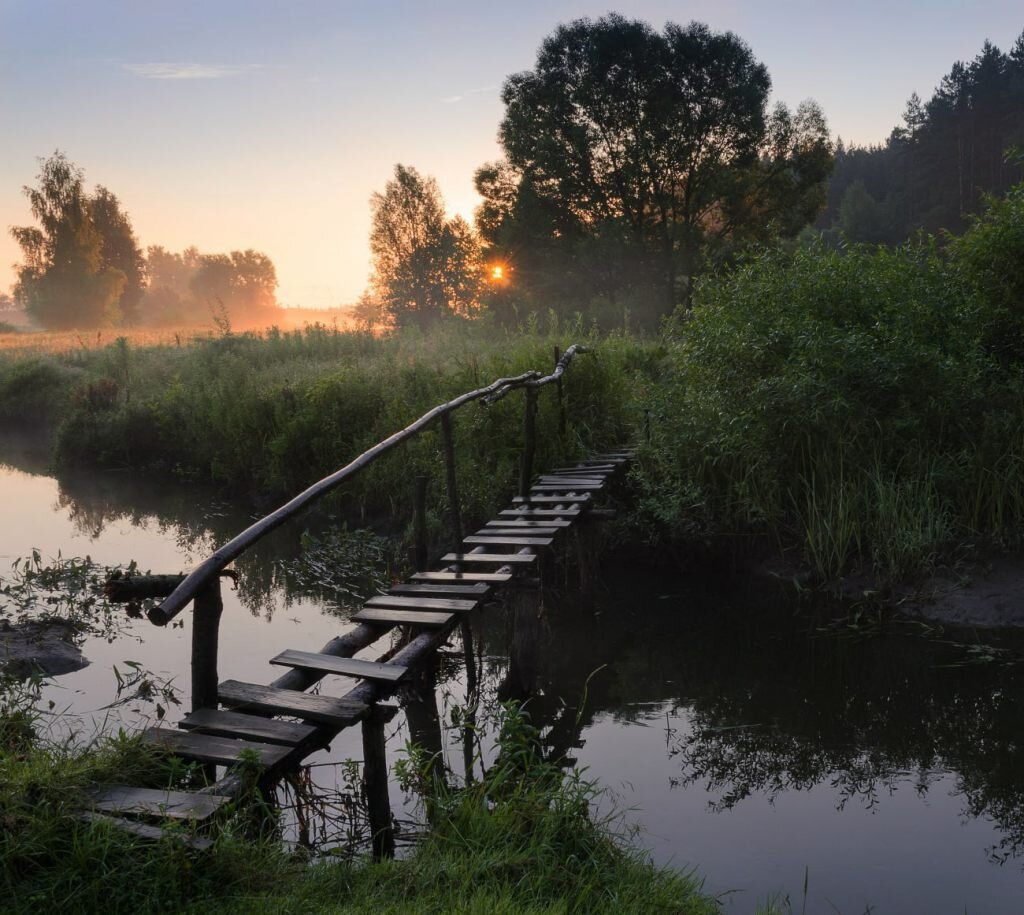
(210, 749)
(225, 723)
(524, 524)
(508, 541)
(534, 514)
(311, 707)
(566, 487)
(491, 558)
(147, 831)
(478, 590)
(451, 604)
(425, 618)
(544, 499)
(345, 667)
(568, 480)
(487, 577)
(177, 805)
(516, 531)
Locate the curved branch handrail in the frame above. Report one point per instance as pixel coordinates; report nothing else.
(211, 567)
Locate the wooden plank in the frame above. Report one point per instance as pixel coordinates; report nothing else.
(534, 514)
(322, 709)
(528, 523)
(544, 499)
(488, 577)
(517, 531)
(511, 540)
(450, 604)
(404, 618)
(587, 468)
(147, 831)
(479, 590)
(252, 727)
(566, 487)
(210, 749)
(345, 667)
(492, 558)
(566, 480)
(177, 805)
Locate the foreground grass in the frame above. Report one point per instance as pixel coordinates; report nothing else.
(521, 841)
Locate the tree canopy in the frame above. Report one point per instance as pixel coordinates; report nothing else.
(634, 153)
(424, 265)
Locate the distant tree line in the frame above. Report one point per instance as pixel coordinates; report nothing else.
(936, 168)
(83, 267)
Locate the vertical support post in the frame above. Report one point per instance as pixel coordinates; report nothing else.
(375, 783)
(453, 489)
(561, 396)
(529, 441)
(206, 611)
(420, 523)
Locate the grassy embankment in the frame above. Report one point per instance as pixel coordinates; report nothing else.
(521, 840)
(864, 407)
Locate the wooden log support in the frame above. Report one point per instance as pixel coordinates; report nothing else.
(561, 396)
(375, 784)
(454, 509)
(420, 523)
(529, 441)
(206, 613)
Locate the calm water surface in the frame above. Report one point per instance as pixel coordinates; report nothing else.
(758, 742)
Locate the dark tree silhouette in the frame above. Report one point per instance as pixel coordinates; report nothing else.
(119, 249)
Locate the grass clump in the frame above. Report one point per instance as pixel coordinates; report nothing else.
(521, 840)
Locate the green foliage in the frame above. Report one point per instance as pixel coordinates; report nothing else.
(849, 402)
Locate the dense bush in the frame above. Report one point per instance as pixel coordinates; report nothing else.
(865, 404)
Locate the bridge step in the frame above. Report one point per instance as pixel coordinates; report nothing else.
(225, 723)
(544, 499)
(147, 831)
(321, 709)
(452, 605)
(491, 558)
(508, 541)
(587, 469)
(455, 577)
(210, 749)
(480, 589)
(346, 667)
(517, 531)
(556, 479)
(566, 487)
(177, 805)
(534, 514)
(527, 524)
(404, 618)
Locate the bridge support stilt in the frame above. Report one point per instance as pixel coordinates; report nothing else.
(206, 612)
(375, 783)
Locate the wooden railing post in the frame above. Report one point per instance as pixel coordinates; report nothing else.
(561, 396)
(420, 523)
(529, 441)
(453, 489)
(206, 612)
(375, 783)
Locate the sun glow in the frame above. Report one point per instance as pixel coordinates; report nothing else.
(497, 273)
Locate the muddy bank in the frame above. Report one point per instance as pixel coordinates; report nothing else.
(46, 647)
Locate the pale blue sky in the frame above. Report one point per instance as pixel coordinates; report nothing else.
(268, 124)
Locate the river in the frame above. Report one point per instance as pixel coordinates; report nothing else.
(765, 744)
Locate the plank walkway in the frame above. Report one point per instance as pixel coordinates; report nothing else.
(275, 727)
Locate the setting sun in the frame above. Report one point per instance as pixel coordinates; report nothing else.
(497, 272)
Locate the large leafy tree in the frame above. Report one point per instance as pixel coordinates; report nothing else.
(239, 286)
(645, 147)
(64, 280)
(424, 265)
(119, 249)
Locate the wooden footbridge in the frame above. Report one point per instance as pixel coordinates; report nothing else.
(272, 728)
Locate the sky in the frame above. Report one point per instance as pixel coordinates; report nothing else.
(267, 124)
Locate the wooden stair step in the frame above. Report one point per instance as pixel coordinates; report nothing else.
(566, 487)
(491, 558)
(211, 749)
(478, 589)
(566, 480)
(294, 702)
(449, 604)
(528, 524)
(534, 514)
(456, 577)
(508, 541)
(587, 468)
(177, 805)
(544, 499)
(345, 667)
(425, 618)
(226, 723)
(517, 531)
(148, 831)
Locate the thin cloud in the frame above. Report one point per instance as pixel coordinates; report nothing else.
(188, 70)
(454, 99)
